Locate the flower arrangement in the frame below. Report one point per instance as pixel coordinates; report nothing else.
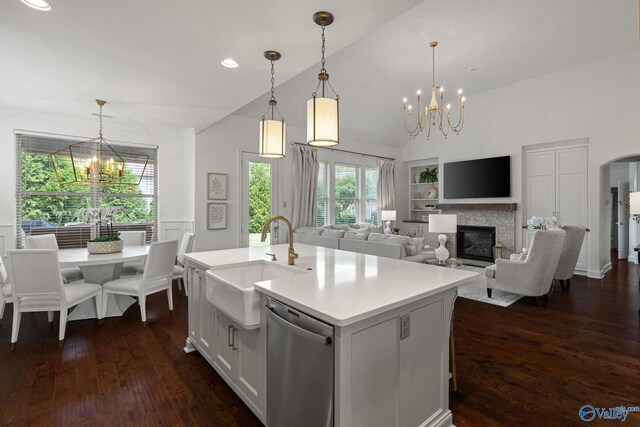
(542, 223)
(99, 218)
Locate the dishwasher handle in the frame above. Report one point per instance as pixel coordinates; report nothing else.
(311, 336)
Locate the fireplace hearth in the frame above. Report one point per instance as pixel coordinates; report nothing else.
(476, 242)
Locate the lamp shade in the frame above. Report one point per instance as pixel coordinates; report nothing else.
(443, 223)
(634, 202)
(322, 122)
(272, 137)
(388, 215)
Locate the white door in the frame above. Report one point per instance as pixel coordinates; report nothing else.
(259, 199)
(571, 193)
(540, 184)
(623, 220)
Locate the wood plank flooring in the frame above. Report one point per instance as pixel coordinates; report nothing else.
(520, 365)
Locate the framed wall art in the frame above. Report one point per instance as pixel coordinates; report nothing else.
(217, 186)
(216, 216)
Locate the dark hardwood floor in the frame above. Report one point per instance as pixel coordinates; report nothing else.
(520, 365)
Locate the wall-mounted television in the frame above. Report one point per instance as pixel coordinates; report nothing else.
(490, 177)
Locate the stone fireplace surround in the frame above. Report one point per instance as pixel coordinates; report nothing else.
(501, 216)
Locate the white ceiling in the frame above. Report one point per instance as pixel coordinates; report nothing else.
(158, 62)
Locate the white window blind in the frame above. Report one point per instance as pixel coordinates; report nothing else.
(370, 196)
(44, 206)
(347, 193)
(322, 195)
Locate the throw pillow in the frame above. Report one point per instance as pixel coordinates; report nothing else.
(356, 235)
(310, 230)
(333, 233)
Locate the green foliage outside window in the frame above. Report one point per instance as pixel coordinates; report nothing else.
(259, 195)
(37, 175)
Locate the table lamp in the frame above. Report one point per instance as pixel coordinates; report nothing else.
(388, 216)
(442, 224)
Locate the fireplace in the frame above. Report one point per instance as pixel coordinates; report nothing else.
(476, 242)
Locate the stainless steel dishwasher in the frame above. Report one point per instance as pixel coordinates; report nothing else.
(299, 368)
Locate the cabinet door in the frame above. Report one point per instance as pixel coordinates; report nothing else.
(205, 320)
(251, 365)
(194, 308)
(540, 184)
(226, 338)
(571, 192)
(419, 395)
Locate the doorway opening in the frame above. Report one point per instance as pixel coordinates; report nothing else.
(259, 199)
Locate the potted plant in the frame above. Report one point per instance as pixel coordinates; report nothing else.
(104, 239)
(429, 175)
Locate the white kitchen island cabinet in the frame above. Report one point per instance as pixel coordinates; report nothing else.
(391, 323)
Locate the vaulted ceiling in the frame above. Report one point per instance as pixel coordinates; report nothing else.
(158, 62)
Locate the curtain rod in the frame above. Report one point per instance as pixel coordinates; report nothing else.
(345, 151)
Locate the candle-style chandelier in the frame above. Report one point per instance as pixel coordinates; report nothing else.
(433, 114)
(96, 161)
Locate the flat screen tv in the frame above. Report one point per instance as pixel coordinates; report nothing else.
(479, 178)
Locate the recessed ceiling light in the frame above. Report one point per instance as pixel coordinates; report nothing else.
(473, 69)
(229, 63)
(40, 5)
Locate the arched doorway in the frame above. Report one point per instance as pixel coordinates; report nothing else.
(619, 177)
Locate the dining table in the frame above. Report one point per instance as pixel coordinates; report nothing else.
(100, 269)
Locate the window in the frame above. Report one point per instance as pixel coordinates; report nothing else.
(370, 195)
(44, 206)
(346, 193)
(322, 195)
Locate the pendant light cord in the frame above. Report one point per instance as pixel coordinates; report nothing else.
(433, 65)
(273, 97)
(100, 132)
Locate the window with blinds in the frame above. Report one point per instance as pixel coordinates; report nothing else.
(347, 193)
(44, 206)
(322, 195)
(370, 195)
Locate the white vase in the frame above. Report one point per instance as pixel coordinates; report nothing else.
(417, 178)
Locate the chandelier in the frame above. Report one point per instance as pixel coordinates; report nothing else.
(272, 131)
(96, 161)
(433, 114)
(322, 111)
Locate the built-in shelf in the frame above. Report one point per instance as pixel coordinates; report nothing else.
(424, 200)
(424, 183)
(415, 222)
(425, 210)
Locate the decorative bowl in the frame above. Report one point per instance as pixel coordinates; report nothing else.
(108, 247)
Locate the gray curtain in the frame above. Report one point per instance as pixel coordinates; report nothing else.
(305, 175)
(386, 186)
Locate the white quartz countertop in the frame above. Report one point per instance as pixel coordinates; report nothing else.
(342, 287)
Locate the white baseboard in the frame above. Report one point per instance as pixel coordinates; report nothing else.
(633, 259)
(595, 274)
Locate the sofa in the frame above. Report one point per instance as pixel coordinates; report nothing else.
(365, 239)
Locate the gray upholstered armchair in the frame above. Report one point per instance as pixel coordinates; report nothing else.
(533, 276)
(570, 253)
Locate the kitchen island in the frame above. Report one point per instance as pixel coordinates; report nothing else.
(391, 320)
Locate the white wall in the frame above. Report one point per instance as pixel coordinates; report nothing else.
(218, 149)
(599, 101)
(171, 184)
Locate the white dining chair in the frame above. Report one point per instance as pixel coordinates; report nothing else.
(49, 241)
(5, 288)
(133, 238)
(37, 286)
(157, 276)
(186, 246)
